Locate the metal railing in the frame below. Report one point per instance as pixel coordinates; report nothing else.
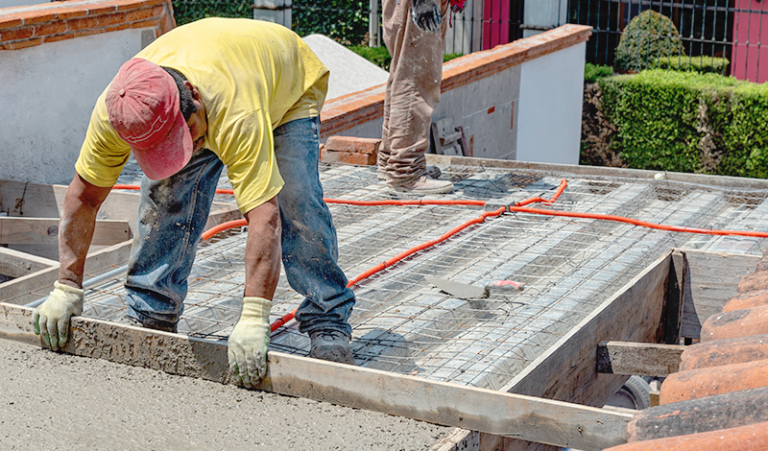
(731, 29)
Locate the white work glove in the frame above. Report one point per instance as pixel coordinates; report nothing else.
(51, 319)
(249, 341)
(426, 15)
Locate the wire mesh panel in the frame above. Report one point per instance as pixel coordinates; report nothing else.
(403, 324)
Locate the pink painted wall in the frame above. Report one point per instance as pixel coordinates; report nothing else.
(749, 60)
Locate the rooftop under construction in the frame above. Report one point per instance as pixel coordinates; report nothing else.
(403, 324)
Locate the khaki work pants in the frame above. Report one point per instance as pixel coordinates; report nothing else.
(413, 91)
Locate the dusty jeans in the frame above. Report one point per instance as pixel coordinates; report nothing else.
(173, 213)
(413, 91)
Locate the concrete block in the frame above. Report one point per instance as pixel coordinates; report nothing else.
(738, 323)
(703, 382)
(725, 352)
(706, 414)
(753, 437)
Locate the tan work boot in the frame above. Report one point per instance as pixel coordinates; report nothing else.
(423, 185)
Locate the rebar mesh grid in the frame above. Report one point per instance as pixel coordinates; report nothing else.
(403, 324)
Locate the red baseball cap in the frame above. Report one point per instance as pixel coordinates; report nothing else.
(144, 108)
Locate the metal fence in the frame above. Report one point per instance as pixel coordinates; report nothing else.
(731, 29)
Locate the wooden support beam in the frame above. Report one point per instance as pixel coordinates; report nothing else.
(639, 359)
(530, 418)
(673, 307)
(710, 281)
(32, 286)
(15, 263)
(46, 231)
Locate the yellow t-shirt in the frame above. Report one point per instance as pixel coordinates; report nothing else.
(253, 76)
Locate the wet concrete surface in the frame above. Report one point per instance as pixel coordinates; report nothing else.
(52, 401)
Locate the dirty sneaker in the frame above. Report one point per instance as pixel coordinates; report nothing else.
(331, 345)
(424, 185)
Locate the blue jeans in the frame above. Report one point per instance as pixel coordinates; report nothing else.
(173, 213)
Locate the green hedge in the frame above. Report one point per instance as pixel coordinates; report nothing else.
(594, 72)
(688, 122)
(380, 55)
(703, 64)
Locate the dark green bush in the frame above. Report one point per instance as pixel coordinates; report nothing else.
(594, 72)
(380, 55)
(344, 21)
(377, 55)
(648, 36)
(703, 64)
(688, 122)
(185, 11)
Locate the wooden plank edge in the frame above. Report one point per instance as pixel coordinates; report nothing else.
(524, 417)
(638, 359)
(22, 289)
(15, 263)
(600, 171)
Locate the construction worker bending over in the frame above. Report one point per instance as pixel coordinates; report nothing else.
(414, 31)
(239, 93)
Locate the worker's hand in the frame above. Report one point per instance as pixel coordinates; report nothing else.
(51, 319)
(249, 341)
(426, 15)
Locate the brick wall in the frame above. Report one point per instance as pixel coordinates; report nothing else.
(23, 27)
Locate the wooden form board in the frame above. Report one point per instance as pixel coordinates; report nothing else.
(46, 231)
(710, 282)
(14, 263)
(638, 359)
(34, 200)
(568, 370)
(28, 202)
(33, 286)
(555, 422)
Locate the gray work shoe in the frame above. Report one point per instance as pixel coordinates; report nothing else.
(331, 345)
(423, 185)
(131, 321)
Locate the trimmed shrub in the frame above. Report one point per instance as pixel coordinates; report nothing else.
(648, 36)
(703, 64)
(594, 72)
(688, 122)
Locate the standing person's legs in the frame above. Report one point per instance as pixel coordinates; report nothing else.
(172, 216)
(413, 92)
(310, 250)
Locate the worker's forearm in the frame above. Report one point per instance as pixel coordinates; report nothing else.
(78, 220)
(262, 250)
